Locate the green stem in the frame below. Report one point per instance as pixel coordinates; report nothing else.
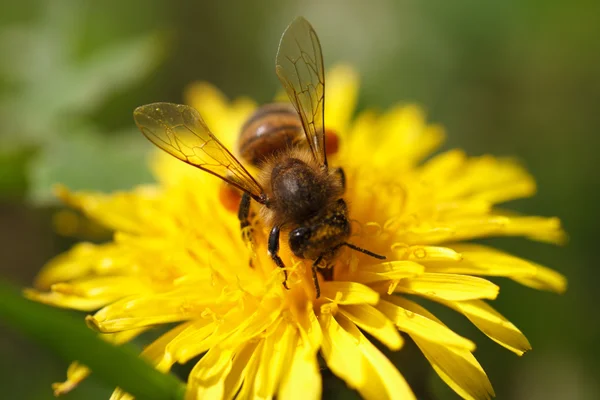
(69, 338)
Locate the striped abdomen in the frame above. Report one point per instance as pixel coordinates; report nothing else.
(272, 129)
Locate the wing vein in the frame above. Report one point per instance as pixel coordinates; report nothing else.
(300, 70)
(180, 131)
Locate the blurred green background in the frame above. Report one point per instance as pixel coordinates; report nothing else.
(519, 78)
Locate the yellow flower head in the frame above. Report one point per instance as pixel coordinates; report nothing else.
(178, 257)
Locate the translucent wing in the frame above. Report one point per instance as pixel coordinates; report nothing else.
(180, 131)
(299, 66)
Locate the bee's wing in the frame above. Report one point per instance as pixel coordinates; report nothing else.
(180, 131)
(299, 66)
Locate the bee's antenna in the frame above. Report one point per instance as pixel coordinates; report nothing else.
(364, 251)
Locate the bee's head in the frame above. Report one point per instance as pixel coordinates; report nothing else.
(323, 234)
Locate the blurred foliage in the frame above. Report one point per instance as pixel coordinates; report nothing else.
(519, 78)
(53, 82)
(103, 163)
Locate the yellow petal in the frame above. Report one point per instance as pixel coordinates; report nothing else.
(277, 355)
(78, 372)
(407, 317)
(119, 394)
(341, 354)
(461, 208)
(348, 293)
(89, 294)
(75, 374)
(392, 270)
(209, 101)
(458, 368)
(442, 167)
(498, 179)
(342, 92)
(449, 287)
(119, 338)
(66, 301)
(190, 341)
(408, 134)
(493, 324)
(223, 117)
(241, 360)
(156, 352)
(247, 390)
(262, 319)
(303, 379)
(239, 325)
(75, 263)
(455, 365)
(309, 327)
(516, 189)
(487, 179)
(536, 228)
(483, 260)
(358, 138)
(373, 322)
(544, 279)
(425, 253)
(104, 286)
(178, 305)
(207, 378)
(125, 211)
(382, 379)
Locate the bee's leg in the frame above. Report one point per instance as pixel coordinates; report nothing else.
(244, 211)
(340, 172)
(273, 249)
(245, 226)
(314, 275)
(326, 272)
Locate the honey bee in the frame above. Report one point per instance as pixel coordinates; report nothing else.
(297, 191)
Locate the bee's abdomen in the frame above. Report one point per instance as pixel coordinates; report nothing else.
(273, 128)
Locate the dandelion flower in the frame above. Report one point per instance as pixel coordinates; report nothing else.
(178, 258)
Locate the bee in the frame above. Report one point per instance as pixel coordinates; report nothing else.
(297, 192)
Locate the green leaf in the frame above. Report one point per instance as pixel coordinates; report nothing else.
(47, 80)
(13, 180)
(111, 70)
(90, 161)
(69, 338)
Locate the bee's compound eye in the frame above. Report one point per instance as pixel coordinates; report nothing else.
(298, 240)
(300, 233)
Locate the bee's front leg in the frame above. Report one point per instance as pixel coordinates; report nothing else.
(315, 277)
(273, 249)
(245, 225)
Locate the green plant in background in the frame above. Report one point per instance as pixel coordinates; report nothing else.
(53, 84)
